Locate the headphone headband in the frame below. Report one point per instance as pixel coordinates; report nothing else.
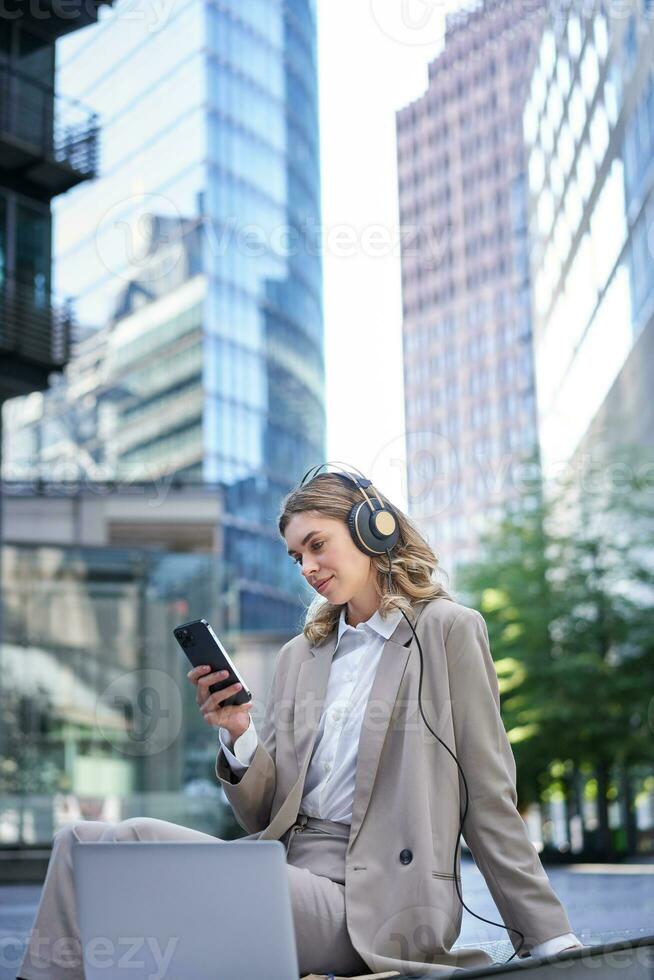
(359, 480)
(373, 533)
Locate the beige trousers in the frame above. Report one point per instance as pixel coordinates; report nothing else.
(315, 854)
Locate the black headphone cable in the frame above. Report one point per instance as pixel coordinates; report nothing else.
(465, 810)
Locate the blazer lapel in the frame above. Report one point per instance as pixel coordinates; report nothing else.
(309, 699)
(388, 675)
(311, 689)
(310, 692)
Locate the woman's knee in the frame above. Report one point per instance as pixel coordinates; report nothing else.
(69, 832)
(81, 830)
(154, 829)
(134, 828)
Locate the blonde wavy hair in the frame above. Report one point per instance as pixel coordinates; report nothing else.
(413, 562)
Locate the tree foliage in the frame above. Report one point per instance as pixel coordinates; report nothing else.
(565, 582)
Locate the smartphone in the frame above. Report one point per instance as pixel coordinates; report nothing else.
(202, 646)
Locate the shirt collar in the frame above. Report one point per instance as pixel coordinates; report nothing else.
(384, 627)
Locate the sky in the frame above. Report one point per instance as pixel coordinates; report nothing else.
(373, 57)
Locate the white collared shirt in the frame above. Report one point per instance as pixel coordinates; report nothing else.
(329, 784)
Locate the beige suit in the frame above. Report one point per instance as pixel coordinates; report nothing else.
(401, 903)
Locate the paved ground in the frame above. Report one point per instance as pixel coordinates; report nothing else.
(605, 903)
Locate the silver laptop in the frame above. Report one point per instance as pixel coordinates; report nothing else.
(174, 910)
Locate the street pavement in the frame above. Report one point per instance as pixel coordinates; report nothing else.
(605, 903)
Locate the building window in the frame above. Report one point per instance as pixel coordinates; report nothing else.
(556, 177)
(538, 91)
(599, 133)
(545, 212)
(601, 36)
(566, 149)
(611, 101)
(574, 35)
(563, 75)
(630, 45)
(577, 113)
(573, 205)
(3, 239)
(586, 172)
(5, 39)
(33, 251)
(589, 72)
(546, 135)
(555, 106)
(547, 53)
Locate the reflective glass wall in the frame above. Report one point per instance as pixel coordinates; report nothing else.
(210, 121)
(97, 717)
(588, 128)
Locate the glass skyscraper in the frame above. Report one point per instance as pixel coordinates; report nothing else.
(210, 123)
(468, 365)
(48, 144)
(589, 128)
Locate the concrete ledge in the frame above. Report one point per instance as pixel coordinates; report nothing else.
(632, 958)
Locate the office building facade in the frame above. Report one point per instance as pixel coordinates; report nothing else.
(211, 124)
(468, 369)
(589, 129)
(129, 405)
(48, 144)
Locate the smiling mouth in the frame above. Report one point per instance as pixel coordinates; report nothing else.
(321, 585)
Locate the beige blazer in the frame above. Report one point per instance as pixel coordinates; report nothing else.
(401, 903)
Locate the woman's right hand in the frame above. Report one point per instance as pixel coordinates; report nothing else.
(234, 717)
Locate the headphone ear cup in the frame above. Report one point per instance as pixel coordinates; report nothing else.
(364, 537)
(352, 524)
(386, 541)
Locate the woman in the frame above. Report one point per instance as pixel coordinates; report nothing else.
(344, 709)
(370, 834)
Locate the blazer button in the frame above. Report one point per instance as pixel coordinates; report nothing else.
(406, 856)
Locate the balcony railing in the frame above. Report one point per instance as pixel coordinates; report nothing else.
(32, 329)
(50, 139)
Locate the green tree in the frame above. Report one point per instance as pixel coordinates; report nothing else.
(566, 587)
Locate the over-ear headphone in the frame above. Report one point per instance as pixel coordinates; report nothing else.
(375, 531)
(373, 526)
